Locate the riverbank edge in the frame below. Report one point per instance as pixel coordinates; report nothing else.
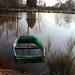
(36, 10)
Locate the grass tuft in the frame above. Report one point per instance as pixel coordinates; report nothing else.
(60, 63)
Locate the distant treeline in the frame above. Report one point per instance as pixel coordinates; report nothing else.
(54, 8)
(17, 5)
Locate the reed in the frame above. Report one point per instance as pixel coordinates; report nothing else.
(62, 63)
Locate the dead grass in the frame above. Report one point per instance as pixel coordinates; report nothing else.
(62, 64)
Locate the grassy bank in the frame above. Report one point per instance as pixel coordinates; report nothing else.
(35, 10)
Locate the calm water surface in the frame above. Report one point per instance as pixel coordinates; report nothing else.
(54, 28)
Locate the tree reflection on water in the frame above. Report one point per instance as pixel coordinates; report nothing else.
(7, 25)
(31, 19)
(63, 21)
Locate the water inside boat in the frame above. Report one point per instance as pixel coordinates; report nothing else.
(28, 49)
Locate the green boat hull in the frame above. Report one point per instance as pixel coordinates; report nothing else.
(37, 41)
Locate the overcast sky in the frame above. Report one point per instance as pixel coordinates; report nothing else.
(50, 2)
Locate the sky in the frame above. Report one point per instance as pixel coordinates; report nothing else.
(50, 2)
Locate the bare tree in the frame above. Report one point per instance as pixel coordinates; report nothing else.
(69, 4)
(40, 3)
(60, 2)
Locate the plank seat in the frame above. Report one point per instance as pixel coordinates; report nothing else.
(27, 47)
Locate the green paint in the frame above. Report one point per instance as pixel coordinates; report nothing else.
(29, 57)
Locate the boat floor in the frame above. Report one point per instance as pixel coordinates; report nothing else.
(28, 50)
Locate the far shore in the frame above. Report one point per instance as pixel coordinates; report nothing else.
(36, 10)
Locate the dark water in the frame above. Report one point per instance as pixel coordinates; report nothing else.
(54, 28)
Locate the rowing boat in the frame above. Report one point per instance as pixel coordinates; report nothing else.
(28, 47)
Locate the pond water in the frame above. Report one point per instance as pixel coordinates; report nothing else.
(50, 28)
